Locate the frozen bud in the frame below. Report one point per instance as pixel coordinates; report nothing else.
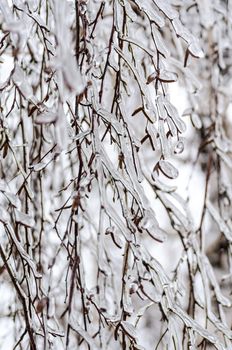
(179, 147)
(87, 306)
(133, 287)
(42, 303)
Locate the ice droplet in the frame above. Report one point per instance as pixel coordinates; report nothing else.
(168, 169)
(167, 77)
(38, 166)
(195, 50)
(129, 329)
(196, 121)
